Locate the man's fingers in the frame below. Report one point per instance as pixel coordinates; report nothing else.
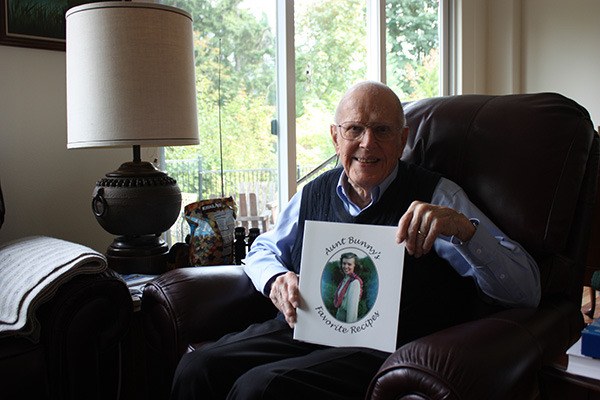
(403, 224)
(410, 223)
(293, 297)
(285, 295)
(418, 228)
(290, 314)
(292, 288)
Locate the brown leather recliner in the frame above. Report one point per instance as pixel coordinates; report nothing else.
(78, 354)
(530, 162)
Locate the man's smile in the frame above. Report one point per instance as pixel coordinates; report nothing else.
(366, 160)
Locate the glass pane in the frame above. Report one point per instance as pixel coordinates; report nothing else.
(235, 81)
(331, 55)
(413, 48)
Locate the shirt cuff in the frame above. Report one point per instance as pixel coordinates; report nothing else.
(267, 288)
(456, 241)
(475, 251)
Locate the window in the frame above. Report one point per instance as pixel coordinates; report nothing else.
(236, 83)
(413, 53)
(331, 55)
(253, 120)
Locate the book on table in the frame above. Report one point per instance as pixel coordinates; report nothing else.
(590, 339)
(579, 364)
(350, 285)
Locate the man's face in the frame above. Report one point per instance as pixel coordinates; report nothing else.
(368, 160)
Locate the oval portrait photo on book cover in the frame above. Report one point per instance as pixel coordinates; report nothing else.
(349, 285)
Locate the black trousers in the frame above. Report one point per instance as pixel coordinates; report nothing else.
(264, 362)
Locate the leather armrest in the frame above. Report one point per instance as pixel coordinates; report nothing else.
(197, 304)
(193, 305)
(23, 369)
(83, 326)
(493, 358)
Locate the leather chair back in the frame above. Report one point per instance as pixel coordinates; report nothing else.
(521, 159)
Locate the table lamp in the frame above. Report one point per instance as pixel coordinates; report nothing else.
(131, 82)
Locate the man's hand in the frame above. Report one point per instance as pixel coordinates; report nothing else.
(423, 223)
(285, 295)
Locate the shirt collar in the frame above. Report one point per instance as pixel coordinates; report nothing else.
(376, 192)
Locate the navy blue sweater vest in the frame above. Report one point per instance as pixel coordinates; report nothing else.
(433, 296)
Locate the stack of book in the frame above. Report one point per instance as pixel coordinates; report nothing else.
(581, 364)
(590, 339)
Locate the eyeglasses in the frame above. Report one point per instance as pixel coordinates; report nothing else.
(355, 131)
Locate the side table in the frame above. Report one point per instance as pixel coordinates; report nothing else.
(135, 382)
(558, 384)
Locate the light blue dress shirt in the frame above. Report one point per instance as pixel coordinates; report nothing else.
(502, 269)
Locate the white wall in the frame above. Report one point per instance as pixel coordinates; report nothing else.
(532, 46)
(561, 50)
(47, 188)
(469, 47)
(503, 47)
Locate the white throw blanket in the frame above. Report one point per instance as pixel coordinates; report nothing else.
(31, 270)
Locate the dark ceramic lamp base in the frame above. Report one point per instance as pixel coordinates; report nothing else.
(137, 203)
(142, 255)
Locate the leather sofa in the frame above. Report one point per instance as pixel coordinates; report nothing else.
(530, 162)
(78, 353)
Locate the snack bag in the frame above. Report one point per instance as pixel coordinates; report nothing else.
(212, 224)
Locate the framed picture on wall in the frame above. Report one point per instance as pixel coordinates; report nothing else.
(35, 23)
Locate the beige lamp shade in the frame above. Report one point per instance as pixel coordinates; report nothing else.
(130, 76)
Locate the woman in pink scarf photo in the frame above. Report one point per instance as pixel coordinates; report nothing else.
(349, 291)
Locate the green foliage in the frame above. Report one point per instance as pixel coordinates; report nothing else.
(330, 51)
(238, 43)
(330, 56)
(412, 35)
(424, 78)
(235, 85)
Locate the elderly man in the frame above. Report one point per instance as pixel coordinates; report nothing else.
(472, 269)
